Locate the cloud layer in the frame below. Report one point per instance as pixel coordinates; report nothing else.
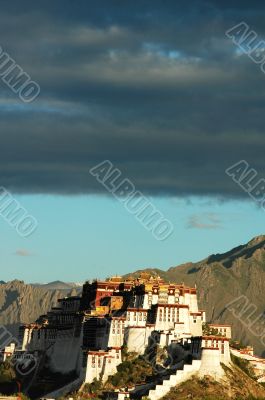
(204, 221)
(22, 253)
(155, 87)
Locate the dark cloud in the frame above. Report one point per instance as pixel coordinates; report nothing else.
(155, 87)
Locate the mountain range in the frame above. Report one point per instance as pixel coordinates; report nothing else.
(24, 303)
(223, 278)
(220, 279)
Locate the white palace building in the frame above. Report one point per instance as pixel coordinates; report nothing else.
(86, 334)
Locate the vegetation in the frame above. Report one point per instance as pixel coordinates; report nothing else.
(209, 331)
(133, 370)
(93, 388)
(208, 389)
(8, 384)
(244, 365)
(236, 344)
(7, 372)
(130, 372)
(238, 385)
(85, 394)
(48, 381)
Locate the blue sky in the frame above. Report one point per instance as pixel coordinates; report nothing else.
(81, 237)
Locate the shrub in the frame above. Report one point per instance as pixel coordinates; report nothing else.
(244, 366)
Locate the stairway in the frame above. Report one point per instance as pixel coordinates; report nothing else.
(180, 376)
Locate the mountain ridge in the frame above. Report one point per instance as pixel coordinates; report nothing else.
(24, 303)
(219, 278)
(222, 278)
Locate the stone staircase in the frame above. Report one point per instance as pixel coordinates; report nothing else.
(180, 376)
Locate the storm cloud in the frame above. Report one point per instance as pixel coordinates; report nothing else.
(156, 87)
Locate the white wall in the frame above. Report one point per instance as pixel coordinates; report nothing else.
(94, 367)
(166, 318)
(102, 364)
(135, 339)
(136, 317)
(221, 344)
(210, 364)
(193, 303)
(116, 333)
(196, 327)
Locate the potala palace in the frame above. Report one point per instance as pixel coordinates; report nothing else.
(86, 334)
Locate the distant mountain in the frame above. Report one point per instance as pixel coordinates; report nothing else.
(24, 303)
(58, 285)
(221, 278)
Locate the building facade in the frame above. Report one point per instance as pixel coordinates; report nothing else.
(86, 334)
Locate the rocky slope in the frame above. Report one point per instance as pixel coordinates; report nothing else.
(222, 278)
(236, 385)
(22, 303)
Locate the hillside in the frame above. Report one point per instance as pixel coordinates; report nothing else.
(21, 303)
(235, 386)
(221, 278)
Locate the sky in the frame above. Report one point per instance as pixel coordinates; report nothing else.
(159, 90)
